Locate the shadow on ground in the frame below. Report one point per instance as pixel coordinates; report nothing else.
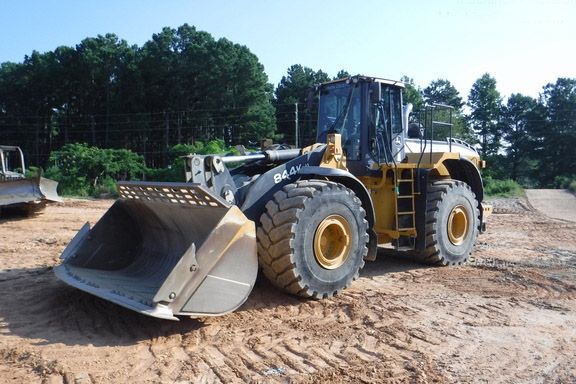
(36, 305)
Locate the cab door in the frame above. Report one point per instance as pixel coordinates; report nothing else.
(387, 135)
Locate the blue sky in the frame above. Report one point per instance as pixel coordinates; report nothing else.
(523, 44)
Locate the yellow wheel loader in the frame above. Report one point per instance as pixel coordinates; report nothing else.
(18, 191)
(307, 218)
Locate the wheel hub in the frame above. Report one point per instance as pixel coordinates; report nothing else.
(332, 242)
(458, 225)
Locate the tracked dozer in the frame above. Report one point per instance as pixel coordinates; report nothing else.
(308, 218)
(21, 192)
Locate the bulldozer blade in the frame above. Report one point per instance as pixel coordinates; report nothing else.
(29, 190)
(48, 188)
(19, 191)
(165, 250)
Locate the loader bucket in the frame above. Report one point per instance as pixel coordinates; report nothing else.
(165, 250)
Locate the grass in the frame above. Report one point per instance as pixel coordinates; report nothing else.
(502, 188)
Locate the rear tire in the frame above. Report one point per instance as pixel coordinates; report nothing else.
(452, 223)
(313, 238)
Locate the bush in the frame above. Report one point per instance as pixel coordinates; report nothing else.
(572, 186)
(33, 172)
(199, 148)
(83, 171)
(564, 182)
(502, 188)
(175, 171)
(68, 184)
(107, 188)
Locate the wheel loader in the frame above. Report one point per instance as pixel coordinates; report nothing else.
(17, 191)
(307, 218)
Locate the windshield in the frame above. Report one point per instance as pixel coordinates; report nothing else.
(339, 112)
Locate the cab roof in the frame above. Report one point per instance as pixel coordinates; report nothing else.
(366, 79)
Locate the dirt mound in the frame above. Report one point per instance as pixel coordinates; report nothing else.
(509, 205)
(509, 316)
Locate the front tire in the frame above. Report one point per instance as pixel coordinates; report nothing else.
(313, 238)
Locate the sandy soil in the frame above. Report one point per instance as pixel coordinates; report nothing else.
(508, 316)
(555, 203)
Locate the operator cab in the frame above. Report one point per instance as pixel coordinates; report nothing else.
(367, 112)
(11, 163)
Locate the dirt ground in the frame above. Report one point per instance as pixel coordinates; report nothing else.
(508, 316)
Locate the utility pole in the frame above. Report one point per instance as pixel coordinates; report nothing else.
(296, 125)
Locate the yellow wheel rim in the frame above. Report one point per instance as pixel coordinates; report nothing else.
(458, 225)
(332, 242)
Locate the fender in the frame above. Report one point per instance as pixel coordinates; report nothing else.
(252, 198)
(465, 170)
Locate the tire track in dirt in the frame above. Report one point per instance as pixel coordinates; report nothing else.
(253, 353)
(504, 316)
(219, 345)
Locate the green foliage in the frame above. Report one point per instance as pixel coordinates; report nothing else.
(500, 168)
(107, 188)
(438, 92)
(199, 148)
(530, 141)
(69, 185)
(555, 136)
(564, 182)
(82, 170)
(294, 88)
(502, 188)
(185, 86)
(411, 93)
(441, 91)
(519, 118)
(496, 167)
(342, 74)
(572, 186)
(181, 86)
(175, 171)
(33, 172)
(459, 129)
(485, 103)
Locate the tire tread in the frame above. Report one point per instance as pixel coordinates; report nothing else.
(276, 236)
